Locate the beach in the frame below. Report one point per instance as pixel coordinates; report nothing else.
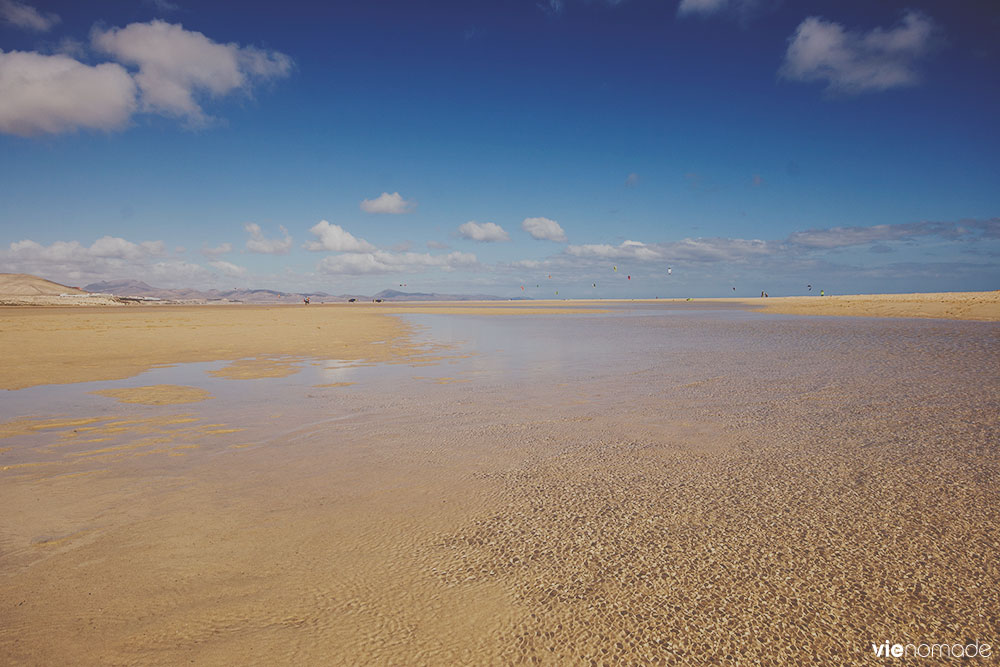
(564, 482)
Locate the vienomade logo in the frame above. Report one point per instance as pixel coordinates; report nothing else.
(975, 649)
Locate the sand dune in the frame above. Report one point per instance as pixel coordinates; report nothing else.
(23, 284)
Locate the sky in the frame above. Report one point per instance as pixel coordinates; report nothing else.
(537, 148)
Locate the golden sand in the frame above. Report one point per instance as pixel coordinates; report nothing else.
(159, 394)
(51, 346)
(981, 306)
(754, 508)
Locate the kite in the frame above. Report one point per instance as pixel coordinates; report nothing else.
(595, 284)
(615, 269)
(522, 288)
(630, 277)
(669, 270)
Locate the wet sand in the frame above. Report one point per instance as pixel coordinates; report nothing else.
(645, 486)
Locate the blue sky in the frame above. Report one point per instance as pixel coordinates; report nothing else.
(480, 146)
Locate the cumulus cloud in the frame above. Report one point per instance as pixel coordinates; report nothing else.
(177, 66)
(106, 247)
(175, 273)
(77, 263)
(543, 229)
(258, 243)
(487, 232)
(382, 261)
(229, 269)
(853, 61)
(42, 94)
(627, 250)
(388, 203)
(437, 245)
(335, 238)
(26, 17)
(218, 250)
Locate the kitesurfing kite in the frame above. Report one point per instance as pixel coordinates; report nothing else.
(669, 270)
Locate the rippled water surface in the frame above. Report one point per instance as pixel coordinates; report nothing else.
(644, 485)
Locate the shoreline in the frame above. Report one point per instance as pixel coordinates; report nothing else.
(60, 345)
(973, 306)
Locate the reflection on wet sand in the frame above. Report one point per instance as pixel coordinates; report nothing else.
(160, 394)
(651, 488)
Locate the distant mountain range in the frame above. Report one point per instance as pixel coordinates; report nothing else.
(137, 288)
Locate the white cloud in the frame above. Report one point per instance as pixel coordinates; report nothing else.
(528, 264)
(74, 262)
(388, 203)
(229, 269)
(336, 239)
(701, 6)
(543, 229)
(437, 245)
(177, 65)
(175, 273)
(106, 247)
(487, 232)
(842, 237)
(718, 249)
(852, 61)
(26, 17)
(55, 93)
(731, 8)
(627, 250)
(218, 250)
(382, 261)
(258, 243)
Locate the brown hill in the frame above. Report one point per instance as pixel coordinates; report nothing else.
(23, 284)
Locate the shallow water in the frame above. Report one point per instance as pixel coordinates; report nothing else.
(642, 485)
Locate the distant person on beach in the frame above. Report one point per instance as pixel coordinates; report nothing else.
(306, 301)
(822, 293)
